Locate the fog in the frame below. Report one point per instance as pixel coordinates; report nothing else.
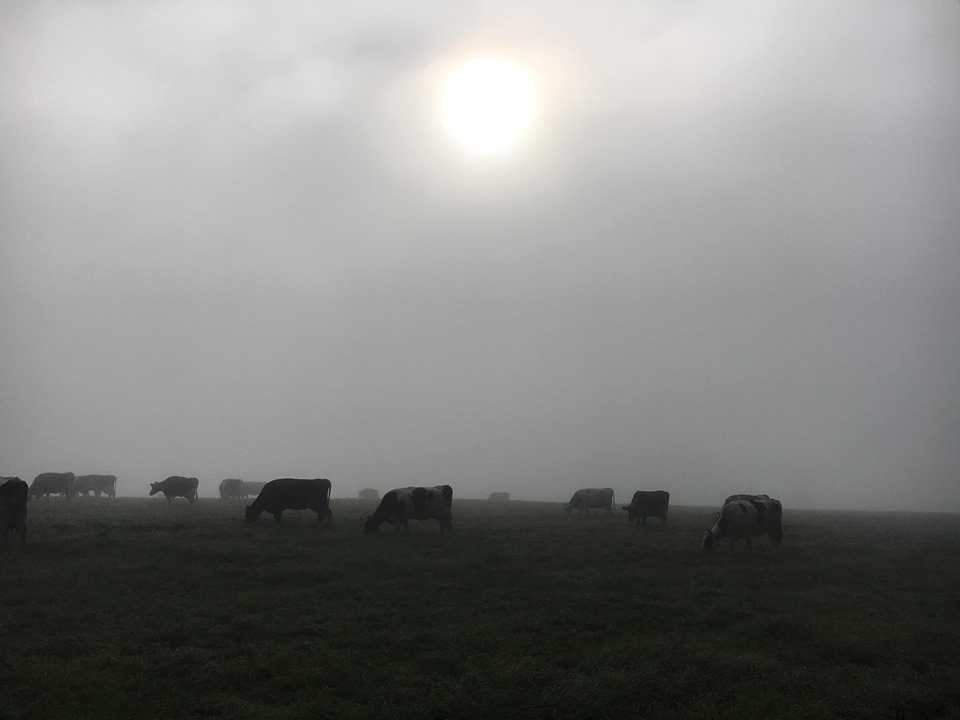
(236, 242)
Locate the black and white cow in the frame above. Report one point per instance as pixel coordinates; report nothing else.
(52, 483)
(251, 487)
(744, 519)
(587, 498)
(106, 484)
(648, 503)
(176, 486)
(292, 494)
(13, 508)
(413, 503)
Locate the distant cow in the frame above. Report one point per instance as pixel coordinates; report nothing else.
(648, 503)
(368, 494)
(251, 487)
(106, 484)
(744, 519)
(413, 503)
(230, 488)
(13, 508)
(176, 486)
(587, 498)
(499, 497)
(292, 494)
(52, 483)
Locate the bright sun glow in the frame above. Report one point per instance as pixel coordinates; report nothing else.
(488, 104)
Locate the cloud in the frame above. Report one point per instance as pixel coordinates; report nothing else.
(234, 241)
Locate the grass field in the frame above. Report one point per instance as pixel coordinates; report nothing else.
(134, 608)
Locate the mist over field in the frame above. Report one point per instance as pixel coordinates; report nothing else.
(236, 242)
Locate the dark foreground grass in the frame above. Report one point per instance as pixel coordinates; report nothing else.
(136, 609)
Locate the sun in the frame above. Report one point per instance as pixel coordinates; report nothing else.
(488, 104)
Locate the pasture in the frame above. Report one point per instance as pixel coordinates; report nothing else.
(133, 608)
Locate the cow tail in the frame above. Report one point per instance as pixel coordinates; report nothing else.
(447, 492)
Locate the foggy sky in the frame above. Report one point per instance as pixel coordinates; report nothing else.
(235, 242)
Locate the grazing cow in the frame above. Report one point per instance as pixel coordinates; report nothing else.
(106, 484)
(251, 487)
(176, 486)
(55, 483)
(744, 519)
(648, 503)
(413, 503)
(291, 494)
(499, 497)
(368, 494)
(587, 498)
(13, 508)
(230, 488)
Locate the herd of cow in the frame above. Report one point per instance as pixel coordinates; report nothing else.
(741, 516)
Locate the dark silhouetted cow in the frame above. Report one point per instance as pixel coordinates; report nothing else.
(52, 483)
(230, 488)
(587, 498)
(413, 503)
(176, 486)
(292, 494)
(744, 519)
(648, 503)
(13, 508)
(368, 494)
(106, 484)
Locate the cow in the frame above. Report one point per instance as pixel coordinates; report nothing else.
(499, 497)
(230, 488)
(413, 503)
(291, 494)
(106, 484)
(55, 483)
(744, 519)
(587, 498)
(13, 508)
(250, 487)
(176, 486)
(368, 494)
(648, 503)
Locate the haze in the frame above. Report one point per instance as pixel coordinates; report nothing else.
(236, 242)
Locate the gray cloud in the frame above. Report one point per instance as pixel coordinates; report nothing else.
(235, 242)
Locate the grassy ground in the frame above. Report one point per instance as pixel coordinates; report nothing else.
(135, 609)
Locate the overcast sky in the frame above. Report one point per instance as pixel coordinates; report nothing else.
(235, 241)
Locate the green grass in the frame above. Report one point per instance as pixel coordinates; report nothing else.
(136, 609)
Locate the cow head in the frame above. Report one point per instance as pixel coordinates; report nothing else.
(154, 488)
(709, 541)
(371, 525)
(249, 514)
